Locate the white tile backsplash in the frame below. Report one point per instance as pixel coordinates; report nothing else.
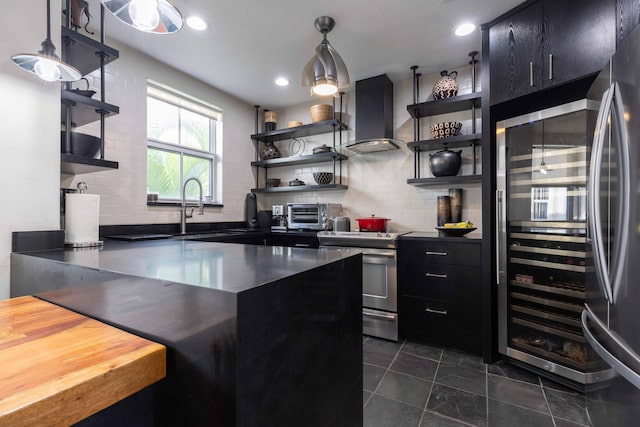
(378, 181)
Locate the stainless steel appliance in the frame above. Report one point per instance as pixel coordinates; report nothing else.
(609, 319)
(279, 217)
(543, 164)
(379, 277)
(312, 216)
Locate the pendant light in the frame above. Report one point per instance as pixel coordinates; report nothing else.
(543, 168)
(325, 73)
(46, 64)
(150, 16)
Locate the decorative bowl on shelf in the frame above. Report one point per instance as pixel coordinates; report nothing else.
(454, 232)
(321, 112)
(445, 129)
(293, 123)
(82, 145)
(323, 177)
(273, 182)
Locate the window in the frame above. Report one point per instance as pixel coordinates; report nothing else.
(183, 141)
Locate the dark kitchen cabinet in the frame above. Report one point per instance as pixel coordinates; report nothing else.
(627, 18)
(439, 283)
(293, 240)
(547, 43)
(515, 46)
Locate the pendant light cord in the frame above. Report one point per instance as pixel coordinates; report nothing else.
(49, 20)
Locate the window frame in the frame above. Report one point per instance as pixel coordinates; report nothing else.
(182, 101)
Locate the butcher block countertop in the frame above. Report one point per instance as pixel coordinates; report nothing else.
(58, 367)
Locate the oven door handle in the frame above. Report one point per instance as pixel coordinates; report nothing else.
(378, 315)
(386, 254)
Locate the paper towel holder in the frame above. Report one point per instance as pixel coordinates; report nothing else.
(82, 188)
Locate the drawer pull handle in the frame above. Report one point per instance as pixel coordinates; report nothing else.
(431, 310)
(436, 253)
(439, 276)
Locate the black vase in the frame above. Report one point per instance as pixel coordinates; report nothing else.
(456, 204)
(443, 210)
(445, 162)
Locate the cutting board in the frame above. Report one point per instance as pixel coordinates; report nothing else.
(58, 367)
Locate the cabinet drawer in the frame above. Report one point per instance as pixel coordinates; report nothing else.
(438, 252)
(443, 282)
(441, 322)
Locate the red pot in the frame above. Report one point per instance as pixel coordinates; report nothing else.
(373, 224)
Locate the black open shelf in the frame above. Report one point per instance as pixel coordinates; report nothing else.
(84, 52)
(439, 180)
(299, 188)
(85, 110)
(445, 106)
(74, 165)
(451, 142)
(300, 131)
(300, 160)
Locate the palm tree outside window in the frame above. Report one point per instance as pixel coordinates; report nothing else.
(183, 141)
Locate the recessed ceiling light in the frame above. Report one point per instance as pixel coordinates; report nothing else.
(465, 29)
(281, 81)
(196, 23)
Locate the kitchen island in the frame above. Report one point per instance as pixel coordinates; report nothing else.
(255, 335)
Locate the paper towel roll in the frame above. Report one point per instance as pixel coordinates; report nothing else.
(82, 214)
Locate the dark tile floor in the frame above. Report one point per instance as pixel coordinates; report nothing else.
(409, 384)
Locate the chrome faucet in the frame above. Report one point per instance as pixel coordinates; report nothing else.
(183, 210)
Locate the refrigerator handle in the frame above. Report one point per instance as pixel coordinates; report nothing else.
(626, 372)
(622, 148)
(593, 194)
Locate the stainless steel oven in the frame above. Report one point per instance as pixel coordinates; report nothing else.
(379, 277)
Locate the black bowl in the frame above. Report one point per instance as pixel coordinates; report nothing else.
(454, 232)
(83, 92)
(81, 145)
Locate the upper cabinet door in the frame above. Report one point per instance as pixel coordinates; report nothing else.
(579, 38)
(627, 18)
(515, 48)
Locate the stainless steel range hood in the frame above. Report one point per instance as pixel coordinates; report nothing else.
(374, 116)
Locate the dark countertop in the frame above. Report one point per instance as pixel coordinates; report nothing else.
(222, 266)
(250, 330)
(473, 237)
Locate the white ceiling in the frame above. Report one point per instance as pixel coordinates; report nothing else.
(251, 42)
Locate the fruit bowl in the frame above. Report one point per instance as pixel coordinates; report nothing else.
(454, 232)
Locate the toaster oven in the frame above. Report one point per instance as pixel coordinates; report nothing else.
(312, 216)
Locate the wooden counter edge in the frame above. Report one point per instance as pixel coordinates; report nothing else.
(143, 367)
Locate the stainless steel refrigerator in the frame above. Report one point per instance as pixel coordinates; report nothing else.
(611, 318)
